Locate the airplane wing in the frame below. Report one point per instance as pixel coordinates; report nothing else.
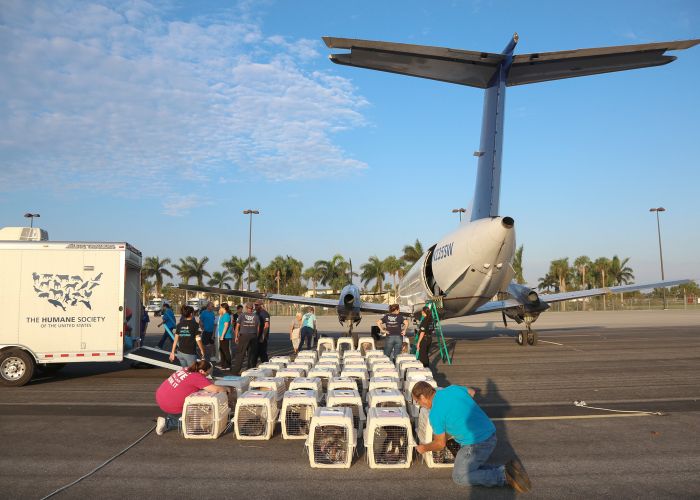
(289, 299)
(476, 69)
(499, 305)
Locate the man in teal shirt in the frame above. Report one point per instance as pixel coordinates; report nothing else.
(454, 412)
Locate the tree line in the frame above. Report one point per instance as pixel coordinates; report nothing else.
(283, 274)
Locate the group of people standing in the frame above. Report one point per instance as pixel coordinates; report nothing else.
(244, 333)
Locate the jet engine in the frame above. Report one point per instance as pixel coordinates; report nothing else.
(349, 305)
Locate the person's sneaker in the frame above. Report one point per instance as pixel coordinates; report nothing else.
(160, 426)
(516, 477)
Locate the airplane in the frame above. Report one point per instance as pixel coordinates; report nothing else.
(468, 267)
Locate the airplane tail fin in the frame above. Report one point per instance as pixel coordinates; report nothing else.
(495, 72)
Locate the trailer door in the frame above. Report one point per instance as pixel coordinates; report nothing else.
(100, 317)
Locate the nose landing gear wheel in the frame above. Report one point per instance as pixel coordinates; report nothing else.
(532, 338)
(520, 339)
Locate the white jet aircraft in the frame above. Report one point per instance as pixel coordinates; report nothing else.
(463, 271)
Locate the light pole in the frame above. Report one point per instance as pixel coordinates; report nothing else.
(460, 211)
(31, 218)
(661, 255)
(250, 238)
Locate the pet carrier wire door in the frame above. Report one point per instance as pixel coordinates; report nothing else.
(238, 385)
(435, 459)
(346, 383)
(365, 344)
(348, 399)
(332, 438)
(383, 383)
(389, 438)
(360, 376)
(255, 373)
(289, 374)
(309, 384)
(345, 344)
(385, 398)
(255, 416)
(205, 415)
(273, 384)
(325, 344)
(297, 409)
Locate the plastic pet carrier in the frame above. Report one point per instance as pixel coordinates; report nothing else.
(205, 415)
(297, 409)
(348, 399)
(332, 438)
(385, 398)
(434, 459)
(389, 438)
(256, 415)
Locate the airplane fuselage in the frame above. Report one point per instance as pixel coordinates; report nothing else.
(463, 270)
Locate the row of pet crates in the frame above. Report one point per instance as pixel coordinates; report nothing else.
(279, 391)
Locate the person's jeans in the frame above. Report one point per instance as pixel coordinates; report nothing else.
(470, 467)
(424, 350)
(164, 337)
(185, 359)
(225, 350)
(392, 345)
(172, 421)
(247, 344)
(308, 334)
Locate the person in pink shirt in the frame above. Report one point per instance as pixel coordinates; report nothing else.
(172, 393)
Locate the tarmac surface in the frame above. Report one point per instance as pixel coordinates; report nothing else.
(60, 427)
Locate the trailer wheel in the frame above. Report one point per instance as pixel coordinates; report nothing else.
(16, 367)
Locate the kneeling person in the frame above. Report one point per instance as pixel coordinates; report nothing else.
(454, 412)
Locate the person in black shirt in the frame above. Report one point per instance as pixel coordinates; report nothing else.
(264, 331)
(246, 338)
(394, 326)
(187, 339)
(425, 336)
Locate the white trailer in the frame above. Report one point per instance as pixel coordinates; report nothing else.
(66, 302)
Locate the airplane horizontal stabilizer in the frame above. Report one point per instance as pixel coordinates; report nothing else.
(477, 69)
(289, 299)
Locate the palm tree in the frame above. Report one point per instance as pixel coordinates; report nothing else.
(334, 272)
(220, 279)
(197, 269)
(146, 290)
(561, 271)
(518, 265)
(154, 267)
(393, 266)
(581, 265)
(184, 270)
(237, 268)
(411, 253)
(373, 270)
(548, 282)
(600, 270)
(619, 272)
(314, 274)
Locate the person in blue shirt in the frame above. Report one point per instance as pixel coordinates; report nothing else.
(454, 412)
(225, 334)
(168, 318)
(308, 328)
(207, 321)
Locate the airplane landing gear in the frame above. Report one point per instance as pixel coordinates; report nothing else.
(527, 337)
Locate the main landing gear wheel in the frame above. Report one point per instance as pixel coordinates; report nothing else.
(520, 339)
(532, 338)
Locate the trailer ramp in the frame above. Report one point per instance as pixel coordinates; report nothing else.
(153, 356)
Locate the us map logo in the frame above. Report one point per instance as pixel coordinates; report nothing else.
(63, 290)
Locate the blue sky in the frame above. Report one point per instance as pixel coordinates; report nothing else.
(159, 122)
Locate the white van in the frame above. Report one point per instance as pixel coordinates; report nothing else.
(66, 302)
(156, 305)
(197, 304)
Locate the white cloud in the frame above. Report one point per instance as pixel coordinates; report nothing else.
(116, 95)
(178, 205)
